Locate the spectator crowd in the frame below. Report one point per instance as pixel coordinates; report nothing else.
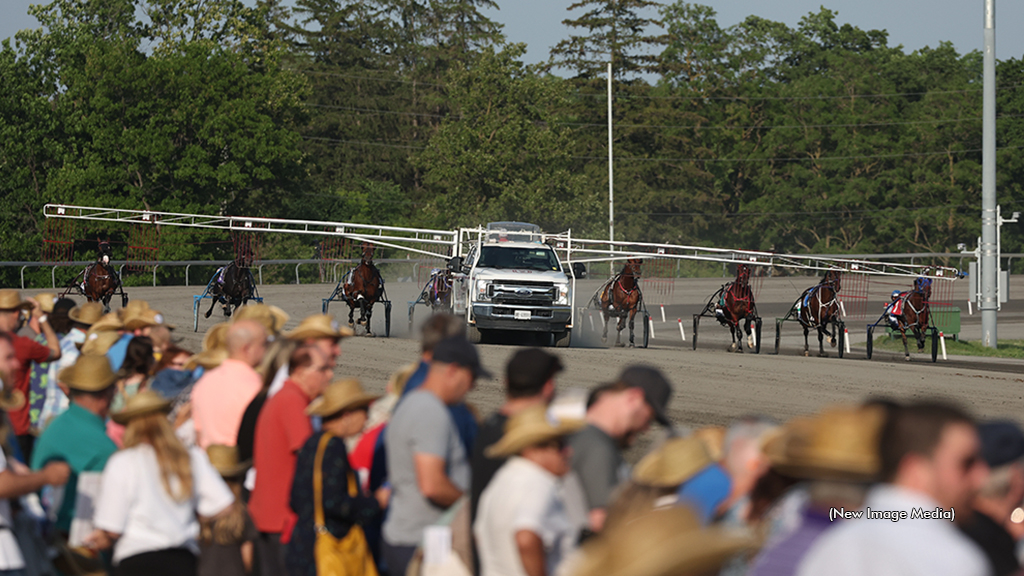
(126, 454)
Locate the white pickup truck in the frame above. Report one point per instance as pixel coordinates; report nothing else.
(510, 280)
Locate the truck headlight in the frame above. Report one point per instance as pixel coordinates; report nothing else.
(563, 294)
(481, 290)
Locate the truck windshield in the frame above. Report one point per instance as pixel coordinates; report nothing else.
(541, 259)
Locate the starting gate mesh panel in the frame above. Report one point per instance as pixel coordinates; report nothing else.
(944, 314)
(853, 296)
(58, 240)
(658, 281)
(248, 247)
(143, 247)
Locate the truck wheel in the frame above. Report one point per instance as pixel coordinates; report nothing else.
(473, 334)
(562, 339)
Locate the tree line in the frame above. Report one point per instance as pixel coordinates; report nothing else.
(819, 138)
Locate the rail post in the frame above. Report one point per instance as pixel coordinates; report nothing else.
(260, 270)
(23, 277)
(297, 273)
(187, 266)
(53, 277)
(155, 266)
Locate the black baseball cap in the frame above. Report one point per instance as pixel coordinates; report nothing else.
(529, 369)
(657, 390)
(1002, 442)
(458, 350)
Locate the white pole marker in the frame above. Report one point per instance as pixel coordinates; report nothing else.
(681, 331)
(650, 322)
(663, 314)
(846, 339)
(942, 343)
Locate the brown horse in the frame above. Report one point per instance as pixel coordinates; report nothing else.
(735, 305)
(100, 281)
(363, 287)
(914, 307)
(818, 307)
(620, 298)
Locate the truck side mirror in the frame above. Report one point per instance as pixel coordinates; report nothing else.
(455, 264)
(579, 270)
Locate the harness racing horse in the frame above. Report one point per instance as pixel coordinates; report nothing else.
(100, 281)
(818, 307)
(913, 313)
(439, 290)
(232, 287)
(620, 298)
(735, 305)
(363, 287)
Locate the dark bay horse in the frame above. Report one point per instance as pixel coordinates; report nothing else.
(736, 305)
(914, 312)
(818, 307)
(232, 287)
(620, 298)
(100, 281)
(363, 287)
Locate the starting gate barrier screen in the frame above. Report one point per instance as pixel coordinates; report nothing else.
(58, 241)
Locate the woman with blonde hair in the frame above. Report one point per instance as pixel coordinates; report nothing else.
(153, 492)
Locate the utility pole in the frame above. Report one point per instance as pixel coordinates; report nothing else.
(989, 259)
(611, 172)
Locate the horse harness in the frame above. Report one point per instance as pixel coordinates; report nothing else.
(905, 299)
(806, 302)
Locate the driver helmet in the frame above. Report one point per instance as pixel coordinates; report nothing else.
(895, 294)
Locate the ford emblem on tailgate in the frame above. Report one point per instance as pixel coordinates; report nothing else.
(524, 292)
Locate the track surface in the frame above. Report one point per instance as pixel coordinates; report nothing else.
(711, 386)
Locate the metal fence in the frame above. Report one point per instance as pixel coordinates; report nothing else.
(334, 266)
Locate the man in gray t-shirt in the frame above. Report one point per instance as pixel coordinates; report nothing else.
(427, 463)
(616, 414)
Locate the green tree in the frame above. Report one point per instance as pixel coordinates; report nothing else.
(502, 154)
(616, 30)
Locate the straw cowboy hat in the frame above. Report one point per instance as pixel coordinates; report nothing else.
(143, 403)
(271, 317)
(107, 322)
(713, 438)
(674, 462)
(46, 301)
(11, 300)
(136, 319)
(90, 373)
(225, 460)
(318, 326)
(663, 542)
(133, 307)
(215, 348)
(344, 394)
(837, 444)
(529, 428)
(98, 342)
(88, 313)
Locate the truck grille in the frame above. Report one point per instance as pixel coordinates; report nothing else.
(522, 293)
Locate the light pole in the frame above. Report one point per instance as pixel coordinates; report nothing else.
(989, 303)
(611, 173)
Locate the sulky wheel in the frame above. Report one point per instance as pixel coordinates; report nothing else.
(696, 323)
(757, 336)
(840, 328)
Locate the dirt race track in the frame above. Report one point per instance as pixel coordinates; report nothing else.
(711, 385)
